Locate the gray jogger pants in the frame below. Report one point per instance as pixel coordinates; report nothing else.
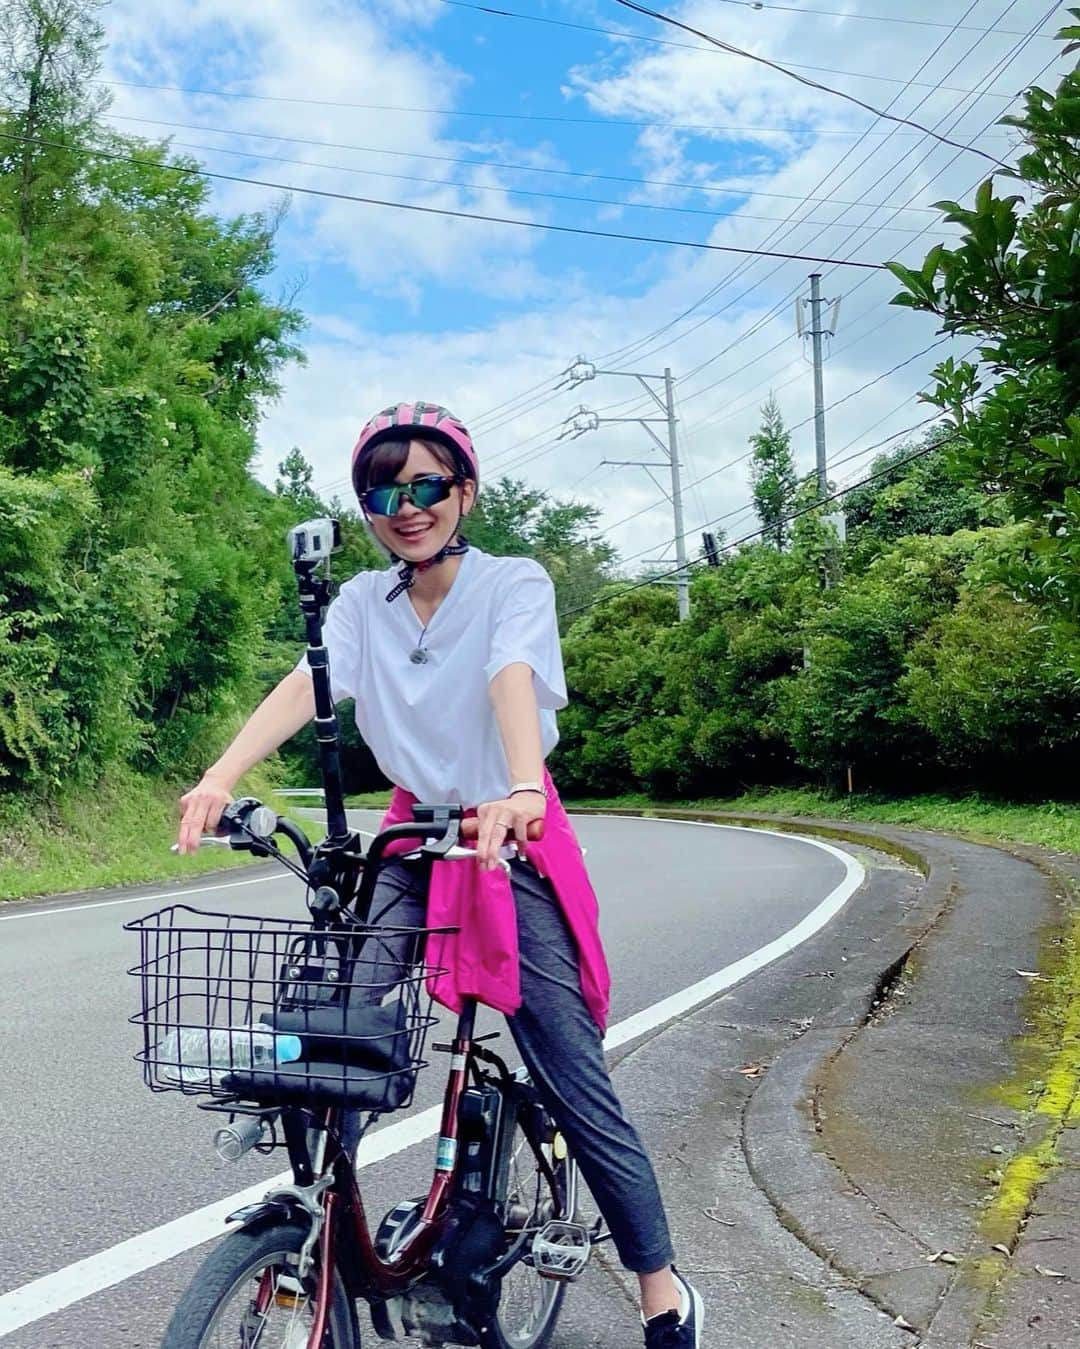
(560, 1045)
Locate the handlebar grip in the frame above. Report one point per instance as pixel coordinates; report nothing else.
(470, 828)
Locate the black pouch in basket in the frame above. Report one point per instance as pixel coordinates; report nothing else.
(366, 1037)
(356, 1052)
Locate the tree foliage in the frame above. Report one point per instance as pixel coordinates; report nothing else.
(772, 473)
(135, 348)
(1013, 283)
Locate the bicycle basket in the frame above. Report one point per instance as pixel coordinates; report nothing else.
(271, 1010)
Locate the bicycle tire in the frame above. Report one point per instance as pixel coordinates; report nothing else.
(503, 1332)
(235, 1261)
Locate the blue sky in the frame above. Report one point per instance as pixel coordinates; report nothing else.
(403, 304)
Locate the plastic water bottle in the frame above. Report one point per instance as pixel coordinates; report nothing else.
(194, 1054)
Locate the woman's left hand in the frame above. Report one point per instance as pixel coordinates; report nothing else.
(503, 820)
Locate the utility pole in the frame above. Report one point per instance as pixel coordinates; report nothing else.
(819, 328)
(676, 498)
(819, 386)
(583, 420)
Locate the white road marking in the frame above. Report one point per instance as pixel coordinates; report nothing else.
(134, 899)
(681, 1003)
(53, 1292)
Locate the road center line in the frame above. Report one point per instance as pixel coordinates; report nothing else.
(53, 1292)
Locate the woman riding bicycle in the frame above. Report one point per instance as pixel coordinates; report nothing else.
(453, 659)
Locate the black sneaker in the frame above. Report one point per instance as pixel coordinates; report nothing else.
(681, 1329)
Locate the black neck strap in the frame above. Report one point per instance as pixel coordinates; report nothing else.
(407, 571)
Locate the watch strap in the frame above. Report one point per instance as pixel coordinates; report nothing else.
(528, 787)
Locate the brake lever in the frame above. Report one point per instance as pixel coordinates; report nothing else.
(204, 842)
(507, 853)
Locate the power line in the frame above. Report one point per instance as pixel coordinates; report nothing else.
(716, 472)
(494, 187)
(695, 47)
(1007, 59)
(818, 186)
(955, 112)
(791, 74)
(854, 14)
(744, 266)
(745, 191)
(501, 116)
(741, 267)
(786, 520)
(327, 194)
(545, 385)
(843, 458)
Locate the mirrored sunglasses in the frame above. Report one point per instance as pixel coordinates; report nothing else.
(423, 493)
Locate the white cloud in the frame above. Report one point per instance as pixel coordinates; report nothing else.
(744, 331)
(314, 59)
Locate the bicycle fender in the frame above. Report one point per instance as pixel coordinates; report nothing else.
(252, 1215)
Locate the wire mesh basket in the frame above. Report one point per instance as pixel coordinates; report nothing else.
(272, 1011)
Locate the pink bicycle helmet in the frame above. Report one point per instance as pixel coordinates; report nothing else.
(418, 421)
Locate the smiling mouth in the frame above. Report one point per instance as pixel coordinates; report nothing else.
(415, 533)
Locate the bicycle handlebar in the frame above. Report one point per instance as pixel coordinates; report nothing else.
(470, 828)
(333, 867)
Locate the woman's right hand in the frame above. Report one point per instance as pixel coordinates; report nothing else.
(200, 811)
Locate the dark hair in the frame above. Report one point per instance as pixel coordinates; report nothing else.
(388, 458)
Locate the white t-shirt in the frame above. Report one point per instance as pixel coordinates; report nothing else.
(432, 727)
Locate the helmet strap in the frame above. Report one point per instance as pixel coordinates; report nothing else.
(408, 570)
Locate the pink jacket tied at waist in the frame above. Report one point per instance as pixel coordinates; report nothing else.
(480, 960)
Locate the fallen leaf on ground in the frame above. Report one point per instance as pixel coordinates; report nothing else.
(1051, 1273)
(1000, 1246)
(820, 974)
(1031, 974)
(752, 1069)
(942, 1257)
(904, 1325)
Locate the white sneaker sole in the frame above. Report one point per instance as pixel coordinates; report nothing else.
(699, 1315)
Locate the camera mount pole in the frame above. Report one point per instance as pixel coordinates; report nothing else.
(314, 597)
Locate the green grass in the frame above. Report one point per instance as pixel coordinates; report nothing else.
(1050, 824)
(368, 801)
(116, 833)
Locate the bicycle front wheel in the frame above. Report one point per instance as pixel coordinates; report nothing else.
(529, 1305)
(247, 1294)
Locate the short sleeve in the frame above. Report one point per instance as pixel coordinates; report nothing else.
(526, 630)
(341, 637)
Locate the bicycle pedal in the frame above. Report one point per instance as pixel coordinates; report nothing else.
(561, 1251)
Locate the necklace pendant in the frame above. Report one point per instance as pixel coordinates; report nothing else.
(419, 656)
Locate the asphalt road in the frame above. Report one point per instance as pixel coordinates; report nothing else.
(92, 1159)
